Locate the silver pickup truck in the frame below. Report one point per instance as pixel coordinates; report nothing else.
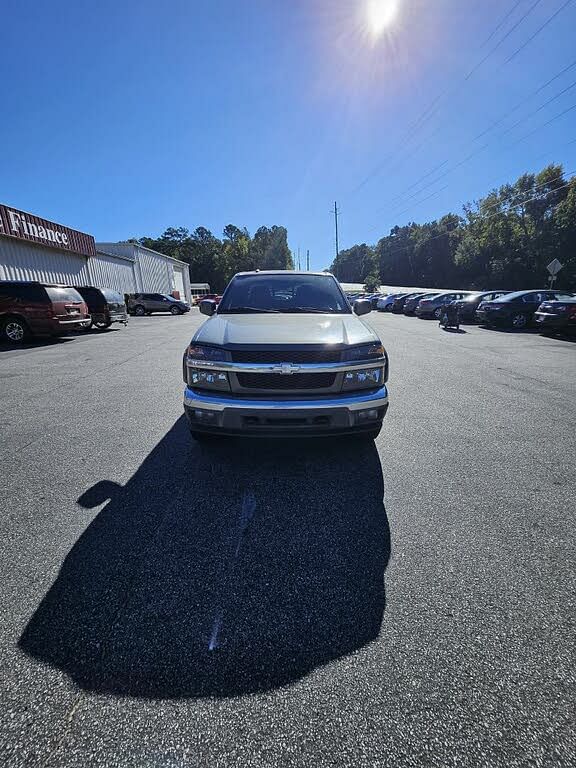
(284, 353)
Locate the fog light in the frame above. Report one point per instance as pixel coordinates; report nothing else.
(206, 417)
(370, 414)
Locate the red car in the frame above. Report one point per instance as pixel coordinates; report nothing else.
(29, 308)
(212, 296)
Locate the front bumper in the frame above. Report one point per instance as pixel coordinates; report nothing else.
(111, 317)
(321, 415)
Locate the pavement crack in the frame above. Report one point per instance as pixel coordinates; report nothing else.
(68, 718)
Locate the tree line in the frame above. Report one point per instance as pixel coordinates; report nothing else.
(215, 260)
(504, 240)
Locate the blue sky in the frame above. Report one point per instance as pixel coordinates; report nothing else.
(124, 118)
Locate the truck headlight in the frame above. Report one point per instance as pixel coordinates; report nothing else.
(202, 379)
(202, 352)
(364, 352)
(363, 379)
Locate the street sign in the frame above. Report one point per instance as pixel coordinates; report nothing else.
(554, 267)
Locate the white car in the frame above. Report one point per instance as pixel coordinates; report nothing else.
(385, 303)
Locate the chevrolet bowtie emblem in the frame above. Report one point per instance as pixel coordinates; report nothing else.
(286, 369)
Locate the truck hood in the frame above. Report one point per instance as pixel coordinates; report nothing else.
(284, 328)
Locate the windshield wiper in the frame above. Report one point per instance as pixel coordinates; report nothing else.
(310, 309)
(245, 309)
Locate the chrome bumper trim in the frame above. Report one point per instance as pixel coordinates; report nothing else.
(277, 367)
(79, 321)
(219, 402)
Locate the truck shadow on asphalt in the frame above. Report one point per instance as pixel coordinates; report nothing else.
(222, 570)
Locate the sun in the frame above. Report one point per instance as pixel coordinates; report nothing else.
(380, 15)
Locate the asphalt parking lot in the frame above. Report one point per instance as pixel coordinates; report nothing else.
(325, 603)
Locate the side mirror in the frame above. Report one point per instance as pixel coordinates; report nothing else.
(362, 306)
(208, 307)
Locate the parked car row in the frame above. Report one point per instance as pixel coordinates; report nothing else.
(372, 297)
(30, 308)
(544, 308)
(520, 309)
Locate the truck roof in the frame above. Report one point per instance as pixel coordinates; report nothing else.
(283, 272)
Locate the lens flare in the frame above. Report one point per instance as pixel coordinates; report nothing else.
(380, 15)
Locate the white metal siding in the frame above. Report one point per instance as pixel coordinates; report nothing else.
(187, 291)
(179, 283)
(155, 271)
(111, 272)
(21, 260)
(122, 249)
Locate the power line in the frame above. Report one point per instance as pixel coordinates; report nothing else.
(336, 226)
(417, 202)
(523, 101)
(506, 36)
(493, 205)
(538, 157)
(571, 174)
(544, 25)
(541, 107)
(502, 22)
(556, 117)
(448, 232)
(402, 197)
(433, 107)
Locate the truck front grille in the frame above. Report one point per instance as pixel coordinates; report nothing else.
(280, 381)
(287, 355)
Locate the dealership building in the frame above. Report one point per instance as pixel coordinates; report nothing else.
(32, 248)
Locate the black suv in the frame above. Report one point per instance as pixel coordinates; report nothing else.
(105, 305)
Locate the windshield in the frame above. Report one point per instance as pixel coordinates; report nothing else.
(69, 295)
(288, 293)
(112, 296)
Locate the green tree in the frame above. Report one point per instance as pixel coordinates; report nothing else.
(503, 240)
(269, 249)
(372, 282)
(354, 264)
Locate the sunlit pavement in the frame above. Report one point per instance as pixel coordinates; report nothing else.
(322, 603)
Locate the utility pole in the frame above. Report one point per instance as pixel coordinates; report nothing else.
(336, 226)
(298, 257)
(307, 260)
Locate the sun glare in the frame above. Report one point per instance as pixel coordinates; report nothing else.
(380, 15)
